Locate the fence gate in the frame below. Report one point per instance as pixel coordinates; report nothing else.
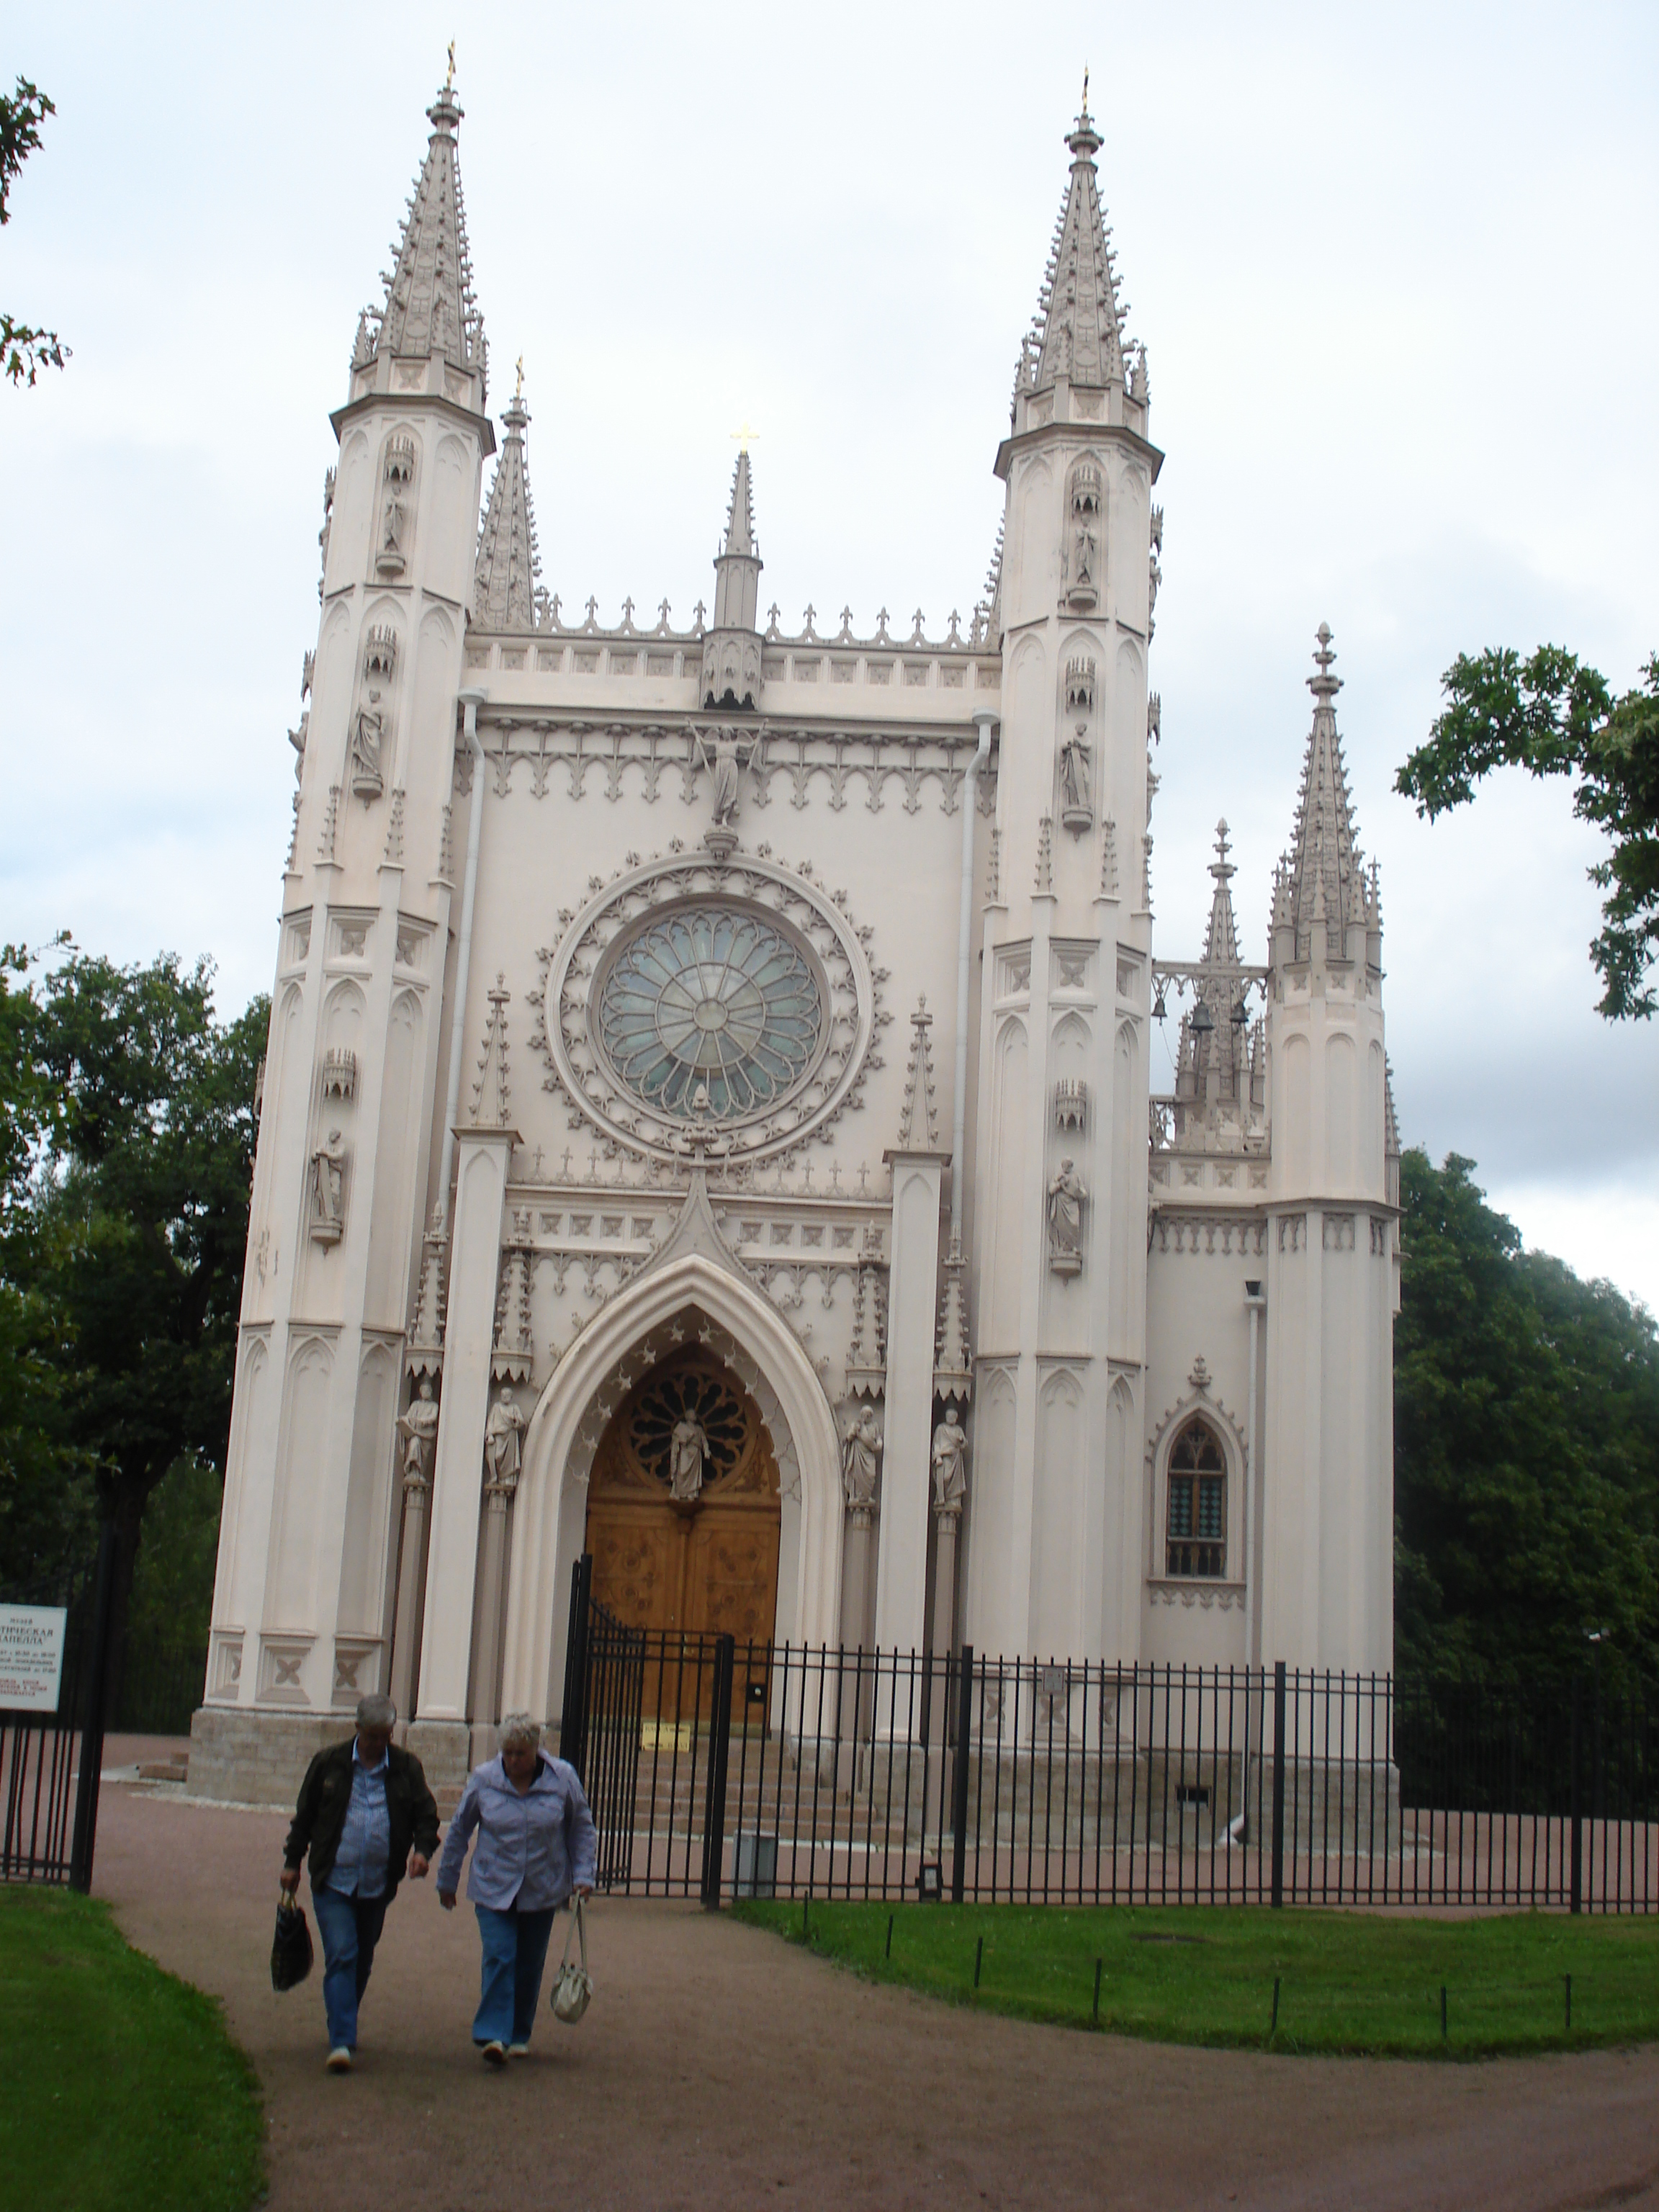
(50, 1761)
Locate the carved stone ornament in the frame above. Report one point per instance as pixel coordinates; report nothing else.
(1067, 1200)
(418, 1427)
(399, 471)
(668, 1065)
(328, 1190)
(731, 669)
(503, 1431)
(860, 1462)
(950, 1463)
(1071, 1102)
(1077, 809)
(340, 1074)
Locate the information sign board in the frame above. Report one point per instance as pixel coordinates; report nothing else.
(31, 1656)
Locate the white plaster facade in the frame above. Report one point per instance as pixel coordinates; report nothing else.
(955, 1191)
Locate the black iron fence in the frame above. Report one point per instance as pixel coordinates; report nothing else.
(717, 1769)
(50, 1761)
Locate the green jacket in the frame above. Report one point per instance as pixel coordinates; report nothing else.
(319, 1816)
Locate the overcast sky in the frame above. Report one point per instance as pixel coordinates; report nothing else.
(1394, 269)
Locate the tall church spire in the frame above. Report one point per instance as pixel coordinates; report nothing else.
(508, 568)
(1078, 331)
(429, 304)
(1221, 945)
(1322, 888)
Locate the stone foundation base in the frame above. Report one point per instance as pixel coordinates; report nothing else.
(254, 1758)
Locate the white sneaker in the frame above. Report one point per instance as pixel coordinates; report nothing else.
(339, 2060)
(518, 2050)
(493, 2054)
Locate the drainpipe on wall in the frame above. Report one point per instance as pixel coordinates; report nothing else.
(471, 701)
(1239, 1829)
(984, 720)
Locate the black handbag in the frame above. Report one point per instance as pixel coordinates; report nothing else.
(291, 1954)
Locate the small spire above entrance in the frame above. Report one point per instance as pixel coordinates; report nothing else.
(508, 572)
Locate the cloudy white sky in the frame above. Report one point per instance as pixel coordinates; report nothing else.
(1394, 269)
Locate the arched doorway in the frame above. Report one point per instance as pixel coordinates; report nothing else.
(684, 1510)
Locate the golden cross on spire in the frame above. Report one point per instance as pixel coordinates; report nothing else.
(449, 82)
(519, 394)
(743, 435)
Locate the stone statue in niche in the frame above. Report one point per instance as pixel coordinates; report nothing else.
(1066, 1198)
(722, 753)
(394, 508)
(298, 738)
(1077, 808)
(367, 745)
(418, 1426)
(503, 1429)
(328, 1190)
(860, 1450)
(687, 1454)
(950, 1463)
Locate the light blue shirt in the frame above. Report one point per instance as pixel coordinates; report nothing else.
(534, 1847)
(359, 1865)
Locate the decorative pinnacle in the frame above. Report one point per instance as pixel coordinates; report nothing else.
(1221, 867)
(518, 391)
(1324, 686)
(449, 82)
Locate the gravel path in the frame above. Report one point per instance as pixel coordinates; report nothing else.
(719, 2068)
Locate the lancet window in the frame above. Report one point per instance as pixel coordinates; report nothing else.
(1197, 1540)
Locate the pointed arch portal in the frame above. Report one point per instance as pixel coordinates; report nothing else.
(693, 1301)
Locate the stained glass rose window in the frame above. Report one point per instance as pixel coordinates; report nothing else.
(712, 1011)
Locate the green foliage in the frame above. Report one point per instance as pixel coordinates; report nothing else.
(131, 1115)
(1553, 717)
(1526, 1451)
(171, 1601)
(24, 351)
(123, 2091)
(1350, 1982)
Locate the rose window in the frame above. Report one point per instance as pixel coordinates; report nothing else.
(713, 1011)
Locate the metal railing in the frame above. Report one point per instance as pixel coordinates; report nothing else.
(718, 1768)
(50, 1763)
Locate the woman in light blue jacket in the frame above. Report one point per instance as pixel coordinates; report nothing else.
(537, 1844)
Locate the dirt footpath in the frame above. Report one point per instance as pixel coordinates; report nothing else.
(720, 2067)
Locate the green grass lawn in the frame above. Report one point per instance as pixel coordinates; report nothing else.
(122, 2088)
(1347, 1981)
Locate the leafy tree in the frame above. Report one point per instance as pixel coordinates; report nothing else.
(24, 351)
(138, 1220)
(1526, 1450)
(1552, 716)
(46, 1497)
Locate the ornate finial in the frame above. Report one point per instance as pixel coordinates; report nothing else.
(1324, 686)
(743, 435)
(519, 389)
(449, 82)
(1083, 108)
(1221, 867)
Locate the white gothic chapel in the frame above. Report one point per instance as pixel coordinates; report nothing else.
(706, 1119)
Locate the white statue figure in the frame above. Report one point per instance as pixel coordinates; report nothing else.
(501, 1432)
(368, 736)
(297, 738)
(859, 1447)
(724, 756)
(688, 1450)
(1083, 564)
(418, 1426)
(1066, 1200)
(391, 555)
(949, 1462)
(328, 1190)
(1074, 775)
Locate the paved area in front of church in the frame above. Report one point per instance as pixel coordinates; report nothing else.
(719, 2068)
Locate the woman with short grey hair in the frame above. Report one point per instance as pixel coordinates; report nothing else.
(537, 1843)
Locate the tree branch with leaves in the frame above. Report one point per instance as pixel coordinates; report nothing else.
(24, 351)
(1552, 716)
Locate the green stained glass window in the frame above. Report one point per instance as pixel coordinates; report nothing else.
(712, 1012)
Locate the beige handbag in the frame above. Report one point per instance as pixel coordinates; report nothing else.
(572, 1986)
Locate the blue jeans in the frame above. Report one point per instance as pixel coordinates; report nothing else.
(349, 1928)
(514, 1953)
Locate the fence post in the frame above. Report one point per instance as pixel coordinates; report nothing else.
(959, 1775)
(573, 1715)
(1279, 1783)
(1574, 1807)
(720, 1746)
(85, 1833)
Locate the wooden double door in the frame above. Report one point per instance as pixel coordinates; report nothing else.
(702, 1562)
